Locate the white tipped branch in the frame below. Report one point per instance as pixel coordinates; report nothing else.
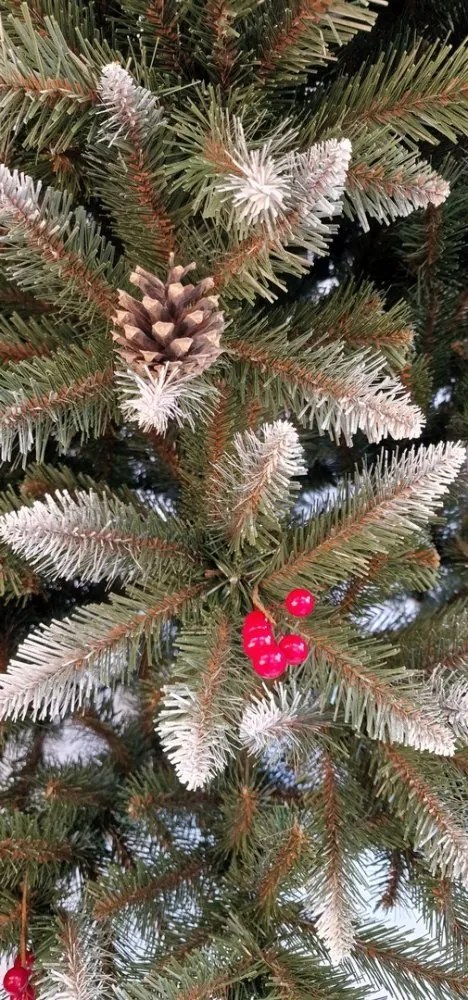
(334, 925)
(334, 888)
(60, 396)
(256, 481)
(127, 109)
(298, 186)
(74, 264)
(19, 194)
(318, 178)
(58, 667)
(384, 505)
(91, 537)
(434, 821)
(192, 723)
(194, 741)
(339, 393)
(422, 729)
(357, 682)
(166, 396)
(391, 182)
(74, 972)
(279, 721)
(379, 406)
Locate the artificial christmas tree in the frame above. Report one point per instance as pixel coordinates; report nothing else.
(234, 473)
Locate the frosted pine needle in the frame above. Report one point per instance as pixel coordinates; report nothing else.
(127, 108)
(258, 185)
(277, 721)
(318, 178)
(154, 401)
(258, 478)
(334, 924)
(18, 193)
(194, 739)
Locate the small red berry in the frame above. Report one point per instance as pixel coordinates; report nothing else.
(270, 664)
(29, 993)
(255, 620)
(255, 643)
(16, 979)
(300, 602)
(295, 648)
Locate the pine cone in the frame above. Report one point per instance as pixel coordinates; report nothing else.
(176, 325)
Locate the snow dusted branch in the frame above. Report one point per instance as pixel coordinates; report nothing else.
(331, 888)
(264, 189)
(257, 479)
(75, 970)
(164, 396)
(126, 108)
(318, 178)
(279, 720)
(89, 536)
(192, 722)
(195, 740)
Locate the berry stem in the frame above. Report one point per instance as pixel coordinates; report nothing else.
(257, 602)
(24, 920)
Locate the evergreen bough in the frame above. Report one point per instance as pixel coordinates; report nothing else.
(171, 826)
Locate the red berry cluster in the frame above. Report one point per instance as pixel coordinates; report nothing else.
(270, 658)
(16, 980)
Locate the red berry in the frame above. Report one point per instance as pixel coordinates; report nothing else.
(255, 643)
(255, 620)
(16, 979)
(295, 648)
(300, 602)
(29, 993)
(270, 664)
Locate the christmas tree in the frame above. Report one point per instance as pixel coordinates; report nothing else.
(233, 529)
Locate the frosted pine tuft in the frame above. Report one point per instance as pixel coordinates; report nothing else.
(435, 193)
(264, 188)
(318, 178)
(334, 924)
(453, 700)
(18, 193)
(258, 184)
(276, 722)
(257, 478)
(194, 740)
(130, 108)
(154, 401)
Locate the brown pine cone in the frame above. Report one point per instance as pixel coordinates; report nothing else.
(174, 324)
